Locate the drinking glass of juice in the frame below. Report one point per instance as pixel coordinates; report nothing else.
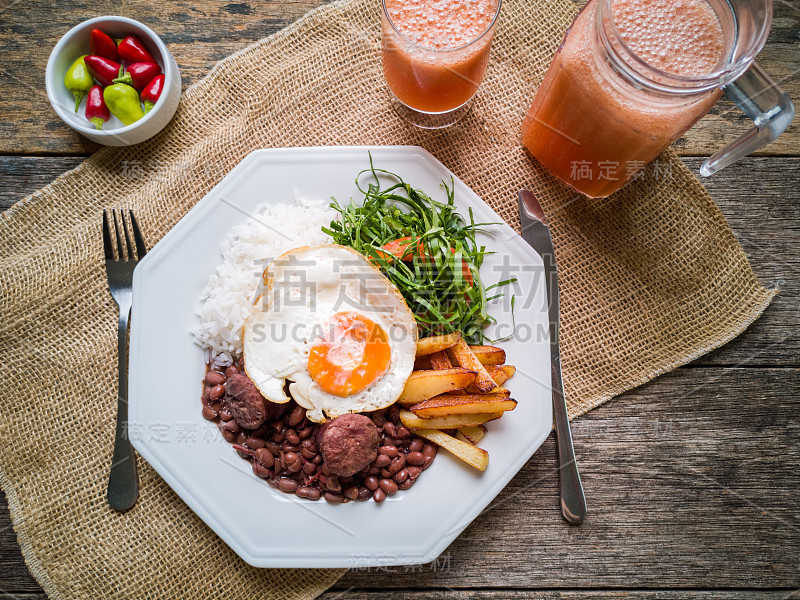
(631, 76)
(434, 56)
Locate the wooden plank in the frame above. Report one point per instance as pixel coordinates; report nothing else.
(480, 594)
(691, 482)
(201, 33)
(23, 175)
(14, 574)
(759, 197)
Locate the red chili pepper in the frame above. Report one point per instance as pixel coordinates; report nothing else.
(102, 45)
(152, 92)
(138, 75)
(103, 69)
(132, 50)
(97, 112)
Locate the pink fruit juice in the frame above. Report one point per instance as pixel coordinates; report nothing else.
(593, 129)
(435, 52)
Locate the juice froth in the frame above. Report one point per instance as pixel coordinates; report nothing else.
(435, 52)
(441, 24)
(683, 37)
(595, 130)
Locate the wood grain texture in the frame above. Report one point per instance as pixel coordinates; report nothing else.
(358, 594)
(201, 33)
(691, 482)
(451, 594)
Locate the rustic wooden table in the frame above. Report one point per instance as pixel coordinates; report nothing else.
(693, 480)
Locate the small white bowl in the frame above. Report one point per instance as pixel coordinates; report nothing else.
(74, 44)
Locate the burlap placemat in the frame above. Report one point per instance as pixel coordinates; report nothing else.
(651, 279)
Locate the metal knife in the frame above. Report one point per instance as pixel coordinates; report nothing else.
(536, 232)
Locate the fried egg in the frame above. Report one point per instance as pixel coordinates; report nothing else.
(333, 329)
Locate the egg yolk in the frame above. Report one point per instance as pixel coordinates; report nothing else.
(353, 353)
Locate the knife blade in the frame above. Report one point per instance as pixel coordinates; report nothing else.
(536, 232)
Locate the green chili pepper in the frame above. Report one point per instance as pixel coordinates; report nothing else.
(123, 102)
(78, 80)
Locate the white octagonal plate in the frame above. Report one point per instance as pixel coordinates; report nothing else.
(268, 528)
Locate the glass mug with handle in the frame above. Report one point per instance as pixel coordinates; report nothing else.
(631, 76)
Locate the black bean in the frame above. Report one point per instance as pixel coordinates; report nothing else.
(213, 378)
(254, 442)
(265, 457)
(398, 463)
(272, 447)
(308, 492)
(429, 449)
(381, 461)
(334, 498)
(261, 470)
(390, 451)
(415, 458)
(388, 486)
(292, 437)
(296, 416)
(287, 485)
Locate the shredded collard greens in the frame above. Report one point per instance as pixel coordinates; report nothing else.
(438, 274)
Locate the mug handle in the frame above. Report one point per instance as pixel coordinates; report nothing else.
(763, 101)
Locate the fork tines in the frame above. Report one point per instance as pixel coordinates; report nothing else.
(121, 251)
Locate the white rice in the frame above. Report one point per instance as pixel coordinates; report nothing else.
(231, 290)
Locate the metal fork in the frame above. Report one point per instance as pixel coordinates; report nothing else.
(123, 482)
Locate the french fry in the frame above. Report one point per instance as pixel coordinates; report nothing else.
(436, 343)
(422, 385)
(463, 356)
(422, 363)
(473, 435)
(440, 361)
(489, 355)
(472, 455)
(469, 421)
(501, 373)
(448, 404)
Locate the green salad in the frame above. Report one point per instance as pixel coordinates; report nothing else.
(426, 248)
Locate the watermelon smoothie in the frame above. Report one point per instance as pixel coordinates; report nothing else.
(435, 52)
(593, 129)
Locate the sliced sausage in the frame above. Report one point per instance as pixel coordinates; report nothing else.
(246, 404)
(348, 444)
